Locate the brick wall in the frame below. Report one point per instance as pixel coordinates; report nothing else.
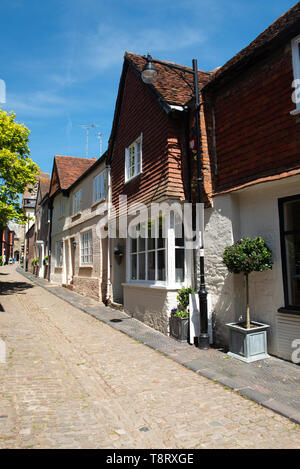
(255, 134)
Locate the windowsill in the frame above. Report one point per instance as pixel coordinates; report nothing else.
(284, 310)
(86, 266)
(154, 286)
(133, 178)
(295, 112)
(76, 216)
(95, 204)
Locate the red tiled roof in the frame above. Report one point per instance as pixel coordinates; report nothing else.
(69, 168)
(32, 195)
(174, 86)
(44, 186)
(286, 25)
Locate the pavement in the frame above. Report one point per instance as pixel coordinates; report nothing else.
(74, 380)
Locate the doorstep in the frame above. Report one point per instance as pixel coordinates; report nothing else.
(273, 383)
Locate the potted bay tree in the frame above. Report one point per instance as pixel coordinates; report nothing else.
(179, 320)
(248, 339)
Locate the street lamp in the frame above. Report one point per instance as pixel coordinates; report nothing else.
(149, 75)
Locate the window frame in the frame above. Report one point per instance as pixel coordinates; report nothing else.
(295, 44)
(170, 267)
(77, 201)
(89, 255)
(102, 196)
(138, 141)
(283, 233)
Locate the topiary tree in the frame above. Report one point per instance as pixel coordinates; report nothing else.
(246, 256)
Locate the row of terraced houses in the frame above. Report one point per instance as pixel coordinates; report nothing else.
(250, 127)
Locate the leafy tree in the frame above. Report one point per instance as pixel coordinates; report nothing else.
(246, 256)
(17, 170)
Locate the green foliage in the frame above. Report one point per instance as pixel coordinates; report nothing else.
(248, 255)
(1, 260)
(17, 170)
(183, 303)
(183, 297)
(35, 261)
(179, 313)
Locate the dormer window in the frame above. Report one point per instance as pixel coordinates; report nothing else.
(133, 159)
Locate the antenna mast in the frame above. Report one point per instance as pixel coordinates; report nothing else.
(87, 127)
(99, 136)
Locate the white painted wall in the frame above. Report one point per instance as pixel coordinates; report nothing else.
(250, 212)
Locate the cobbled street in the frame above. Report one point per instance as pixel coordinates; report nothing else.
(70, 381)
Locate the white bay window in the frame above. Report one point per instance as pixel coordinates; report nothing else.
(157, 260)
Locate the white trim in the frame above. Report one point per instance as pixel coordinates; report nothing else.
(103, 195)
(295, 112)
(75, 209)
(139, 141)
(90, 248)
(296, 65)
(170, 267)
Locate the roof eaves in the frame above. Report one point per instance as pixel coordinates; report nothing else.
(164, 104)
(88, 171)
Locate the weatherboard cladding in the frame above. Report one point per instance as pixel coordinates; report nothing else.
(140, 113)
(256, 137)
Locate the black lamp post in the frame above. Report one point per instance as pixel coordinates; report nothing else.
(149, 75)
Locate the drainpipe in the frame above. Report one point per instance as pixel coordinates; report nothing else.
(50, 208)
(108, 284)
(187, 116)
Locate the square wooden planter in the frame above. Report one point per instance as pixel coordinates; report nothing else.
(248, 345)
(179, 328)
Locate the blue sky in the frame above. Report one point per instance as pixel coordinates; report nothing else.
(62, 59)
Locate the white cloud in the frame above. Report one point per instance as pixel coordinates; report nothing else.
(106, 47)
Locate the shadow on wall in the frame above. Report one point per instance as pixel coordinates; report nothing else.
(9, 288)
(230, 307)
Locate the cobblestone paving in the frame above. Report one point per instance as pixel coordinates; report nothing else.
(70, 381)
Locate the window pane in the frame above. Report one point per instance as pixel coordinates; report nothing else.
(161, 240)
(179, 265)
(133, 266)
(292, 243)
(133, 245)
(179, 234)
(151, 265)
(161, 269)
(292, 215)
(142, 267)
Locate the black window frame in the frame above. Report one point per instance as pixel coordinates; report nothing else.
(287, 307)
